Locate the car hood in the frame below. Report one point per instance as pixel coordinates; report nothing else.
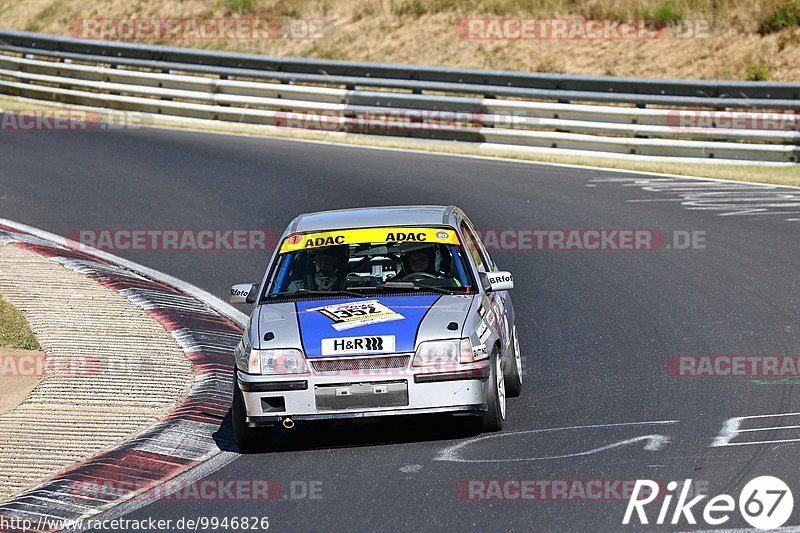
(393, 324)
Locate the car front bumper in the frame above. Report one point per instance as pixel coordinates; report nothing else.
(270, 399)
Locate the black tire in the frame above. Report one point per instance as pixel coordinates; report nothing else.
(495, 415)
(512, 367)
(248, 439)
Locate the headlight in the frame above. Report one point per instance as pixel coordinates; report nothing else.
(288, 361)
(443, 352)
(241, 354)
(269, 362)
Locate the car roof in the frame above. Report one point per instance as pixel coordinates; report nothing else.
(369, 217)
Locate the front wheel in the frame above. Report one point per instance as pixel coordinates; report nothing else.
(495, 395)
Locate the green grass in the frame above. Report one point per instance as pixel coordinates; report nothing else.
(14, 329)
(417, 8)
(756, 72)
(666, 13)
(239, 6)
(785, 15)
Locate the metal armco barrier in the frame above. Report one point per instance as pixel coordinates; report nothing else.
(727, 121)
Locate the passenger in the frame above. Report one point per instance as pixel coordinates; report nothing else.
(327, 269)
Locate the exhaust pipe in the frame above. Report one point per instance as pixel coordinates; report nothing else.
(288, 423)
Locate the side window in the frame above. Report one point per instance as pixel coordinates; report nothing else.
(480, 254)
(471, 243)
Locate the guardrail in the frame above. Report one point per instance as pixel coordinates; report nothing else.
(719, 120)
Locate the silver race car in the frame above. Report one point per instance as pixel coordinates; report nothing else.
(375, 312)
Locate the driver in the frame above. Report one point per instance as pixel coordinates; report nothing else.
(327, 271)
(418, 261)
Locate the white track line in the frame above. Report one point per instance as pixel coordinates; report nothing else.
(451, 453)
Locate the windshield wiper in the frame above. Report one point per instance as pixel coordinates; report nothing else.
(410, 285)
(310, 292)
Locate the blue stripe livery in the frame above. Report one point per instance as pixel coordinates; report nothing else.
(314, 326)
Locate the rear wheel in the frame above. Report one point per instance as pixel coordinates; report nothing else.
(513, 368)
(246, 438)
(495, 395)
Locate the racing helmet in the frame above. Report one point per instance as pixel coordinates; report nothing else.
(407, 249)
(340, 251)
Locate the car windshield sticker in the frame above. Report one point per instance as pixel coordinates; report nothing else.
(354, 314)
(321, 239)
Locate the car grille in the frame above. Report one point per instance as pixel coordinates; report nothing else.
(361, 395)
(375, 365)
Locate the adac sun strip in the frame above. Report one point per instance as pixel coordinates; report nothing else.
(306, 241)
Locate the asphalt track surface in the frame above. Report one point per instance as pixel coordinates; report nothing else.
(596, 327)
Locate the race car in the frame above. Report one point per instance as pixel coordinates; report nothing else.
(376, 312)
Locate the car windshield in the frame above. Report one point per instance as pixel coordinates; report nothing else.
(369, 261)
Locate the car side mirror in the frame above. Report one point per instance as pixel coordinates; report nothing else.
(497, 281)
(244, 293)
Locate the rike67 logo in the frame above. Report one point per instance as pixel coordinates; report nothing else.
(765, 502)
